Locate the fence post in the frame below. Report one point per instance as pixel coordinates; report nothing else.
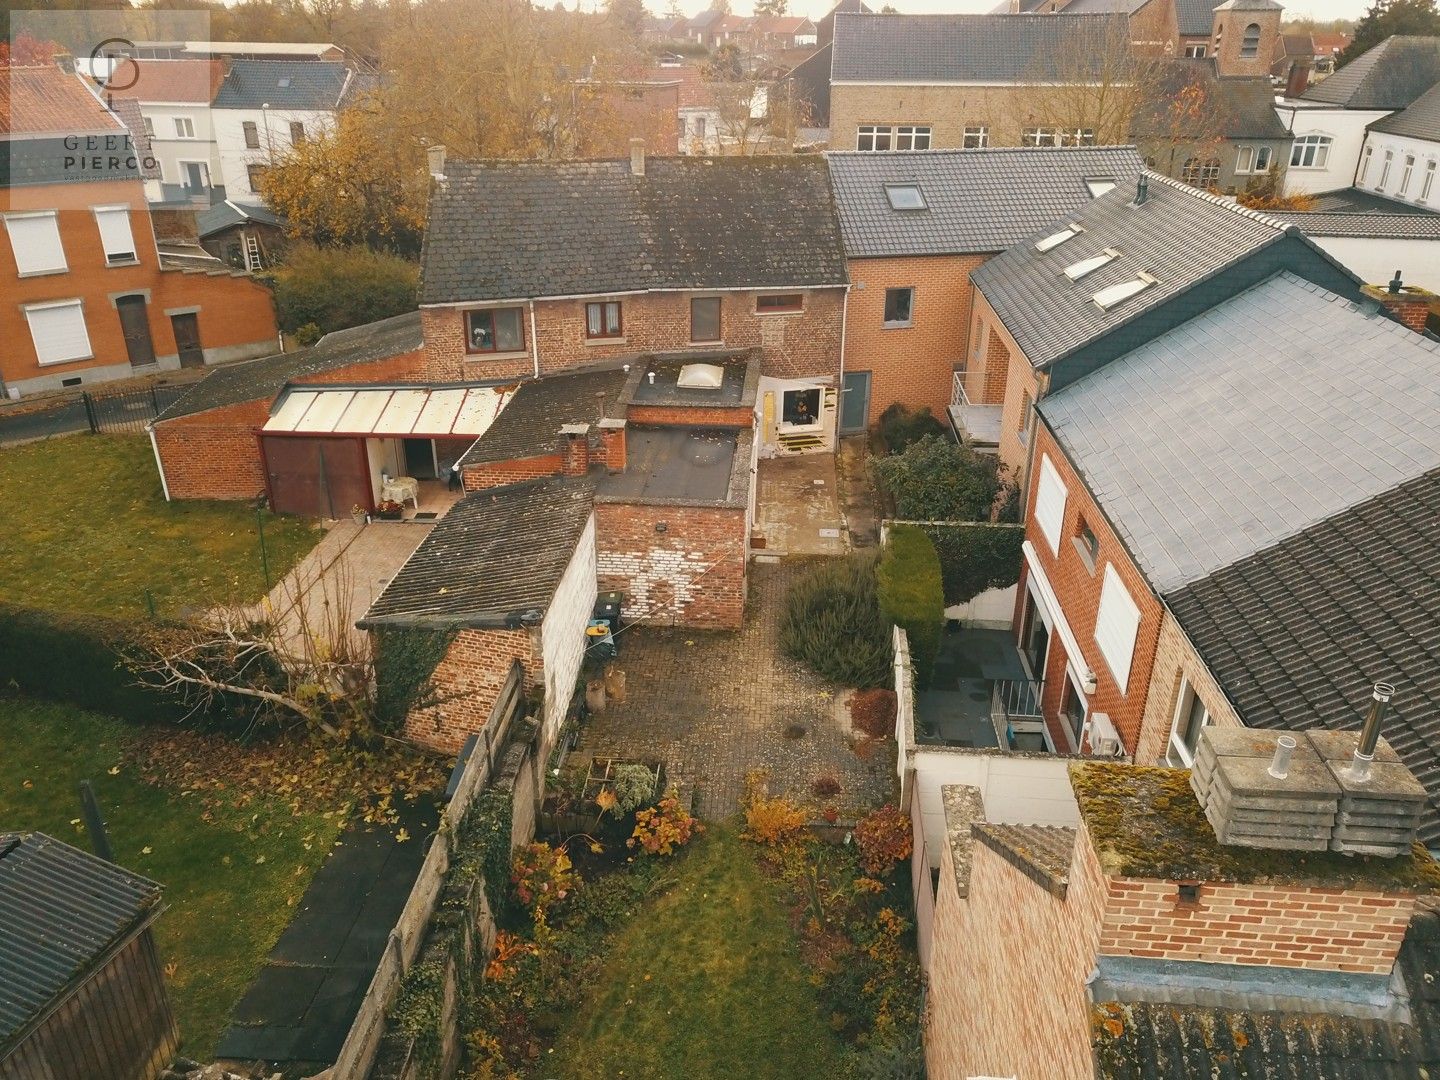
(264, 555)
(90, 412)
(154, 402)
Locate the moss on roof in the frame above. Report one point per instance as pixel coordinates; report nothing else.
(1145, 822)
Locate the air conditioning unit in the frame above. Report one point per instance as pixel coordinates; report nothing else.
(1104, 739)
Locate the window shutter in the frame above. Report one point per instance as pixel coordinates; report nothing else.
(35, 239)
(59, 332)
(1050, 503)
(1116, 625)
(115, 234)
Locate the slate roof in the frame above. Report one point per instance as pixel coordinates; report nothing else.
(1353, 200)
(61, 909)
(977, 200)
(1237, 107)
(253, 380)
(1041, 852)
(502, 230)
(1196, 18)
(1396, 225)
(1298, 633)
(225, 215)
(495, 555)
(26, 161)
(1050, 316)
(44, 100)
(966, 48)
(1267, 414)
(530, 423)
(1419, 120)
(1389, 76)
(282, 84)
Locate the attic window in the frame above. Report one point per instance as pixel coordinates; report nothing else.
(1108, 298)
(905, 197)
(1099, 185)
(1054, 240)
(1075, 271)
(701, 377)
(284, 82)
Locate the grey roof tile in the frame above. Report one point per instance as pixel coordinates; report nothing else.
(502, 230)
(1196, 18)
(530, 423)
(1419, 120)
(282, 84)
(1389, 76)
(1041, 852)
(226, 214)
(977, 201)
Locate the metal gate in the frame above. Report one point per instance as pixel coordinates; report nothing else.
(128, 410)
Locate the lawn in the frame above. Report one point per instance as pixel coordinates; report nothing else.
(706, 983)
(231, 874)
(90, 531)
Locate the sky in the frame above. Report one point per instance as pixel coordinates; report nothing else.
(1322, 10)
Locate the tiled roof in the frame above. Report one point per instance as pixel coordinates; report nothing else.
(966, 48)
(1196, 18)
(496, 555)
(1051, 316)
(171, 82)
(1389, 76)
(976, 200)
(254, 380)
(810, 80)
(1419, 120)
(1297, 633)
(1251, 422)
(28, 161)
(227, 214)
(529, 425)
(127, 110)
(502, 230)
(1354, 200)
(61, 911)
(1372, 225)
(1041, 852)
(282, 84)
(44, 100)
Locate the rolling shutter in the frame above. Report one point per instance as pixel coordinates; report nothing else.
(1116, 624)
(115, 234)
(35, 239)
(59, 332)
(1050, 503)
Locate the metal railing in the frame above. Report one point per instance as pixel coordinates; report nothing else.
(1015, 708)
(127, 410)
(958, 397)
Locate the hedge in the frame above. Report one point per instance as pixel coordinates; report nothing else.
(911, 594)
(832, 623)
(976, 556)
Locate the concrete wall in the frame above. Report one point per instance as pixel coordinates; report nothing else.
(562, 634)
(1376, 260)
(993, 609)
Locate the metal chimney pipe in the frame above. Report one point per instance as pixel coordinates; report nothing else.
(1370, 733)
(1397, 283)
(1280, 763)
(1142, 189)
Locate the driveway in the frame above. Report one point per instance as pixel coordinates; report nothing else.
(716, 704)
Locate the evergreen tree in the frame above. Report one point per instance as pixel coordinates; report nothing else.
(1386, 18)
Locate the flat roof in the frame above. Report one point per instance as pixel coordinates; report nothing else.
(674, 464)
(740, 379)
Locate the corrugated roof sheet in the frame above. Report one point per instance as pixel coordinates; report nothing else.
(1389, 76)
(61, 910)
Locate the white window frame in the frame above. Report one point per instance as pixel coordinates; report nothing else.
(1315, 147)
(1076, 271)
(1406, 172)
(117, 252)
(1386, 162)
(1245, 160)
(1177, 754)
(1427, 183)
(40, 269)
(1123, 619)
(184, 127)
(869, 136)
(1051, 495)
(975, 137)
(1196, 52)
(1115, 295)
(50, 305)
(1365, 165)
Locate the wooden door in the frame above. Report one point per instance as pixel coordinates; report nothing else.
(318, 477)
(187, 339)
(135, 325)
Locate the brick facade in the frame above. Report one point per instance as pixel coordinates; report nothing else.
(910, 365)
(805, 343)
(470, 678)
(1176, 660)
(678, 416)
(1228, 39)
(999, 372)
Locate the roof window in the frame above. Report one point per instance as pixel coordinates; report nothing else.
(1054, 240)
(1099, 185)
(285, 82)
(701, 377)
(905, 196)
(1108, 298)
(1075, 271)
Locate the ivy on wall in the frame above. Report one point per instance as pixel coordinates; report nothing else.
(405, 661)
(975, 556)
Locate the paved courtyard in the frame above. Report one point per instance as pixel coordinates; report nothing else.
(716, 704)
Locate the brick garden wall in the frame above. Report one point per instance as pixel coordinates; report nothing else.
(498, 473)
(677, 416)
(468, 680)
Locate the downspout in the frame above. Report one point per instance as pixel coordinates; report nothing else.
(159, 465)
(534, 340)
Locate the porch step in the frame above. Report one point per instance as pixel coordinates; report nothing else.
(801, 442)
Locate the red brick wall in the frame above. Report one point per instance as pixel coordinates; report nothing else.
(675, 416)
(403, 367)
(468, 682)
(910, 365)
(693, 574)
(1078, 590)
(494, 474)
(794, 345)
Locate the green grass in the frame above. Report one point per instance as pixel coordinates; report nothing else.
(89, 530)
(230, 882)
(706, 982)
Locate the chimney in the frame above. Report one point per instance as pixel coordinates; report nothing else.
(1142, 189)
(575, 449)
(1298, 80)
(612, 443)
(637, 156)
(436, 156)
(1408, 303)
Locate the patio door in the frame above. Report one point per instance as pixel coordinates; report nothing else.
(135, 326)
(855, 405)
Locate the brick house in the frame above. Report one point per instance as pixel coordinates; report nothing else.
(915, 224)
(531, 268)
(95, 295)
(1263, 567)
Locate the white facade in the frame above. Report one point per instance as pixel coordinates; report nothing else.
(1345, 131)
(562, 633)
(182, 141)
(1401, 167)
(274, 134)
(1376, 259)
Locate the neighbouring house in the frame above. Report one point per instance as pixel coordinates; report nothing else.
(768, 34)
(95, 293)
(84, 986)
(681, 255)
(805, 91)
(663, 30)
(1292, 62)
(1328, 47)
(174, 98)
(713, 117)
(1375, 237)
(915, 225)
(1144, 942)
(238, 50)
(645, 107)
(247, 236)
(1402, 151)
(1330, 120)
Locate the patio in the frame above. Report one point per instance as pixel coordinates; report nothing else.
(977, 677)
(797, 506)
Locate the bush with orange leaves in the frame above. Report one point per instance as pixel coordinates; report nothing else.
(884, 839)
(662, 828)
(773, 820)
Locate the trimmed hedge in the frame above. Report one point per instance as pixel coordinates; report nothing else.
(832, 623)
(976, 556)
(936, 479)
(911, 594)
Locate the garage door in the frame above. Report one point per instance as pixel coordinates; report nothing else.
(316, 477)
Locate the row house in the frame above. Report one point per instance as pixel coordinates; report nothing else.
(533, 268)
(100, 288)
(1402, 153)
(915, 225)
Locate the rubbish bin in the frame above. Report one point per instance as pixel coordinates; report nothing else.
(607, 609)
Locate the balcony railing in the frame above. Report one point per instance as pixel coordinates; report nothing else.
(977, 425)
(1015, 710)
(958, 397)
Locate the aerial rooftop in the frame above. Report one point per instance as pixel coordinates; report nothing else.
(1390, 76)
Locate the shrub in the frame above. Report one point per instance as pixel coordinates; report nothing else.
(770, 819)
(542, 876)
(634, 785)
(662, 828)
(911, 594)
(936, 479)
(832, 623)
(825, 787)
(873, 712)
(975, 557)
(899, 427)
(334, 288)
(884, 838)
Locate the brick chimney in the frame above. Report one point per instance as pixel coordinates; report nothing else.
(612, 444)
(1298, 79)
(575, 449)
(1410, 303)
(637, 156)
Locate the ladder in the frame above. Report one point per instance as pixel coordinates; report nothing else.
(252, 252)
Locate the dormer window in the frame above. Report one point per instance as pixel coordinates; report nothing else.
(1054, 240)
(1098, 185)
(1114, 295)
(905, 196)
(1076, 271)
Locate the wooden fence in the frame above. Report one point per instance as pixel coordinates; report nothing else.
(357, 1055)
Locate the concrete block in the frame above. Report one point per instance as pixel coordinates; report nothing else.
(1340, 746)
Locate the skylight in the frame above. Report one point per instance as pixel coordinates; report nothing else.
(285, 82)
(1108, 298)
(905, 196)
(1099, 185)
(1054, 240)
(1075, 271)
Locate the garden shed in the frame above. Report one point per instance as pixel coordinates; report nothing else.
(82, 992)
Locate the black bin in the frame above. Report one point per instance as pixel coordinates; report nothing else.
(608, 607)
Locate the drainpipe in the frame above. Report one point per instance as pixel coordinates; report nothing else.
(159, 465)
(534, 340)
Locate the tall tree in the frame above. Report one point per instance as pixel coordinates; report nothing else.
(772, 7)
(1386, 18)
